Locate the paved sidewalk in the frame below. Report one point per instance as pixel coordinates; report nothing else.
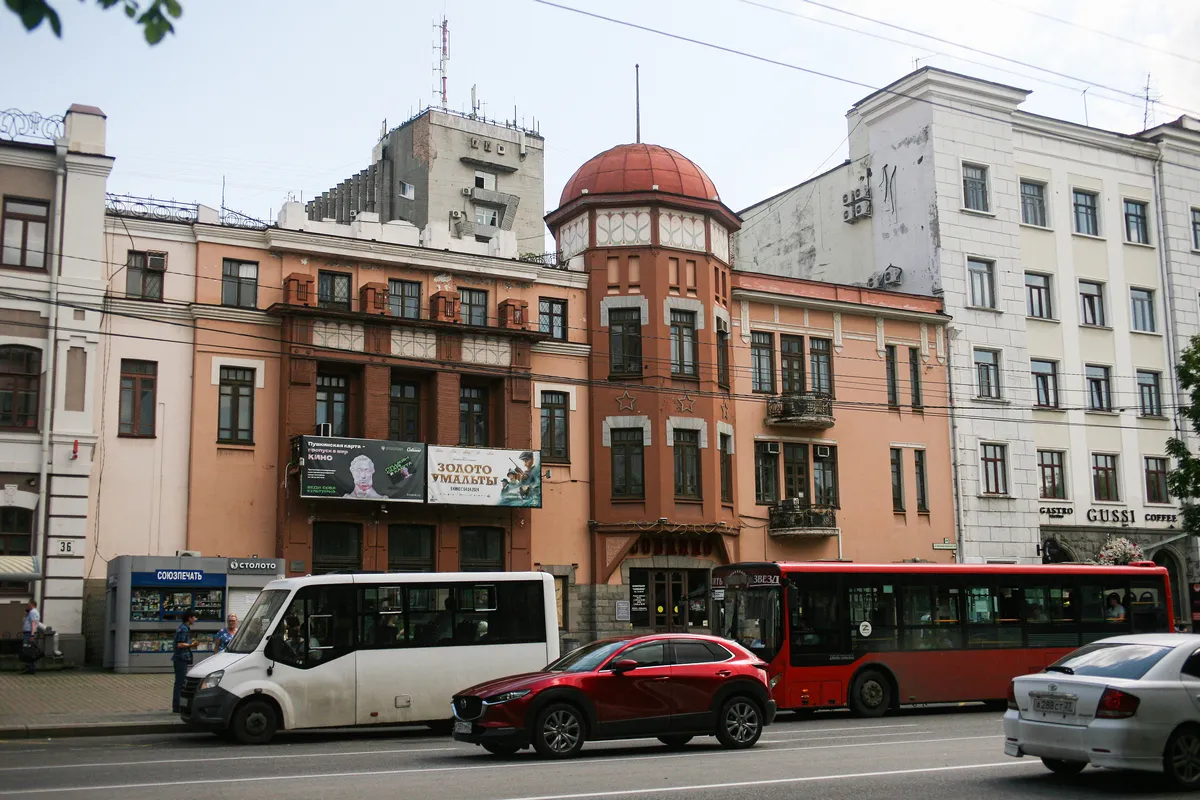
(85, 703)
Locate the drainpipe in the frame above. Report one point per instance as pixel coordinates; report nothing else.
(958, 552)
(39, 542)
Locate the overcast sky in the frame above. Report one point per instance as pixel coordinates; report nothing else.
(287, 96)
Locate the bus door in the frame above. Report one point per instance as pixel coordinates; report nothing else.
(816, 638)
(313, 647)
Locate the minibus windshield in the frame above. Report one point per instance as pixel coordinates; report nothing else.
(257, 621)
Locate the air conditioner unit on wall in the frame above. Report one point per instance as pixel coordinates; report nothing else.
(466, 191)
(848, 216)
(773, 448)
(822, 451)
(456, 215)
(188, 553)
(847, 198)
(862, 208)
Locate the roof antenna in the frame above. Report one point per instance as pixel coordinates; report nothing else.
(637, 93)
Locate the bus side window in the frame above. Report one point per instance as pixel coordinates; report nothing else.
(1148, 610)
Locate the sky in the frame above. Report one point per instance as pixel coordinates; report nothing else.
(287, 97)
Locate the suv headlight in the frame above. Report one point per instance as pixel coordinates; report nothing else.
(504, 697)
(212, 680)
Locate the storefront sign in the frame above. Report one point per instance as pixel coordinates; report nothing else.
(1056, 512)
(176, 577)
(1115, 516)
(474, 477)
(1169, 518)
(638, 598)
(254, 566)
(362, 469)
(622, 611)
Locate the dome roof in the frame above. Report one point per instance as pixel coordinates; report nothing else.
(639, 168)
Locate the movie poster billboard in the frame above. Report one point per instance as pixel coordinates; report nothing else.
(362, 469)
(469, 476)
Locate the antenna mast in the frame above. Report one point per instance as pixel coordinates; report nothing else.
(637, 93)
(440, 86)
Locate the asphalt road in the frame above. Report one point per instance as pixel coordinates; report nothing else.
(928, 754)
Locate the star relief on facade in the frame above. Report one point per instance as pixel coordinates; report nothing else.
(686, 403)
(625, 401)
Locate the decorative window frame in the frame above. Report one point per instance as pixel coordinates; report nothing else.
(632, 421)
(687, 424)
(625, 301)
(683, 304)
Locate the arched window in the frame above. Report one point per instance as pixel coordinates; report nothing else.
(20, 387)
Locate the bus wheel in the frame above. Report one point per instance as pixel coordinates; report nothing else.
(254, 722)
(870, 694)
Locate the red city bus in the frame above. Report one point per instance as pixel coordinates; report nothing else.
(877, 636)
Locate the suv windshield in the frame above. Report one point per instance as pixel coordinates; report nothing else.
(588, 657)
(1119, 660)
(257, 621)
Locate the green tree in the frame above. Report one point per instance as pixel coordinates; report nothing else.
(155, 19)
(1184, 480)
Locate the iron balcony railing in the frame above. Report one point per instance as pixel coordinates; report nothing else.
(813, 409)
(795, 517)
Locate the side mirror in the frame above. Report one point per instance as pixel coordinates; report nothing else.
(623, 665)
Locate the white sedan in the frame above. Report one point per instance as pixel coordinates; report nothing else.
(1128, 702)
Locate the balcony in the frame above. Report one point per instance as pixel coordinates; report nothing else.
(791, 518)
(801, 410)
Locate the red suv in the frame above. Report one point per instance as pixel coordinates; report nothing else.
(670, 686)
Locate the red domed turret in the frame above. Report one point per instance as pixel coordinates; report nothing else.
(629, 168)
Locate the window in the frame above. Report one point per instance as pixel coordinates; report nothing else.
(24, 234)
(983, 285)
(820, 356)
(1149, 393)
(138, 394)
(687, 463)
(897, 479)
(333, 290)
(825, 482)
(472, 308)
(1033, 203)
(552, 318)
(628, 479)
(683, 343)
(485, 180)
(1142, 308)
(791, 362)
(795, 473)
(407, 191)
(20, 387)
(975, 187)
(625, 341)
(1196, 228)
(336, 546)
(987, 374)
(235, 414)
(410, 548)
(1037, 296)
(1086, 219)
(726, 468)
(1050, 468)
(1104, 477)
(239, 283)
(893, 382)
(766, 473)
(922, 487)
(1137, 230)
(995, 468)
(144, 274)
(481, 550)
(405, 299)
(486, 215)
(1099, 385)
(762, 362)
(1045, 382)
(331, 405)
(914, 376)
(723, 358)
(404, 412)
(555, 436)
(16, 531)
(472, 417)
(1156, 480)
(1091, 296)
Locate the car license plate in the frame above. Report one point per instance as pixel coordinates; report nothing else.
(462, 727)
(1054, 705)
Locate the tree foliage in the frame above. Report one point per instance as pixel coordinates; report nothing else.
(155, 18)
(1184, 480)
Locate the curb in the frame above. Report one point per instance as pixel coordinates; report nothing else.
(90, 729)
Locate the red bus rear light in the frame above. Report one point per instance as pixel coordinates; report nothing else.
(1115, 704)
(1012, 696)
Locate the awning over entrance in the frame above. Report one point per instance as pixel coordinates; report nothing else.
(20, 568)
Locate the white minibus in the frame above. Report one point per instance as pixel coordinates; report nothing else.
(341, 650)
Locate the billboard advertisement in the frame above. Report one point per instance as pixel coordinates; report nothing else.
(362, 469)
(467, 476)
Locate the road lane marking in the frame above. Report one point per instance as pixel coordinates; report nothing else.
(773, 782)
(706, 753)
(840, 738)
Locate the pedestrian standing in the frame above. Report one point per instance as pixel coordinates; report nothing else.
(226, 634)
(182, 657)
(29, 629)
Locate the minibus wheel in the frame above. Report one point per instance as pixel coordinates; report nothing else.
(254, 722)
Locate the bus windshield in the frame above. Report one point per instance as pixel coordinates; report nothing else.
(257, 621)
(751, 617)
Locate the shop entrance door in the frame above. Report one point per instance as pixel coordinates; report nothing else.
(679, 600)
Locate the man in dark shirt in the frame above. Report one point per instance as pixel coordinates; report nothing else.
(181, 658)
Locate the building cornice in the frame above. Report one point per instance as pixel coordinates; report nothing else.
(146, 309)
(158, 229)
(236, 237)
(771, 298)
(32, 159)
(100, 166)
(561, 277)
(932, 85)
(227, 314)
(1024, 122)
